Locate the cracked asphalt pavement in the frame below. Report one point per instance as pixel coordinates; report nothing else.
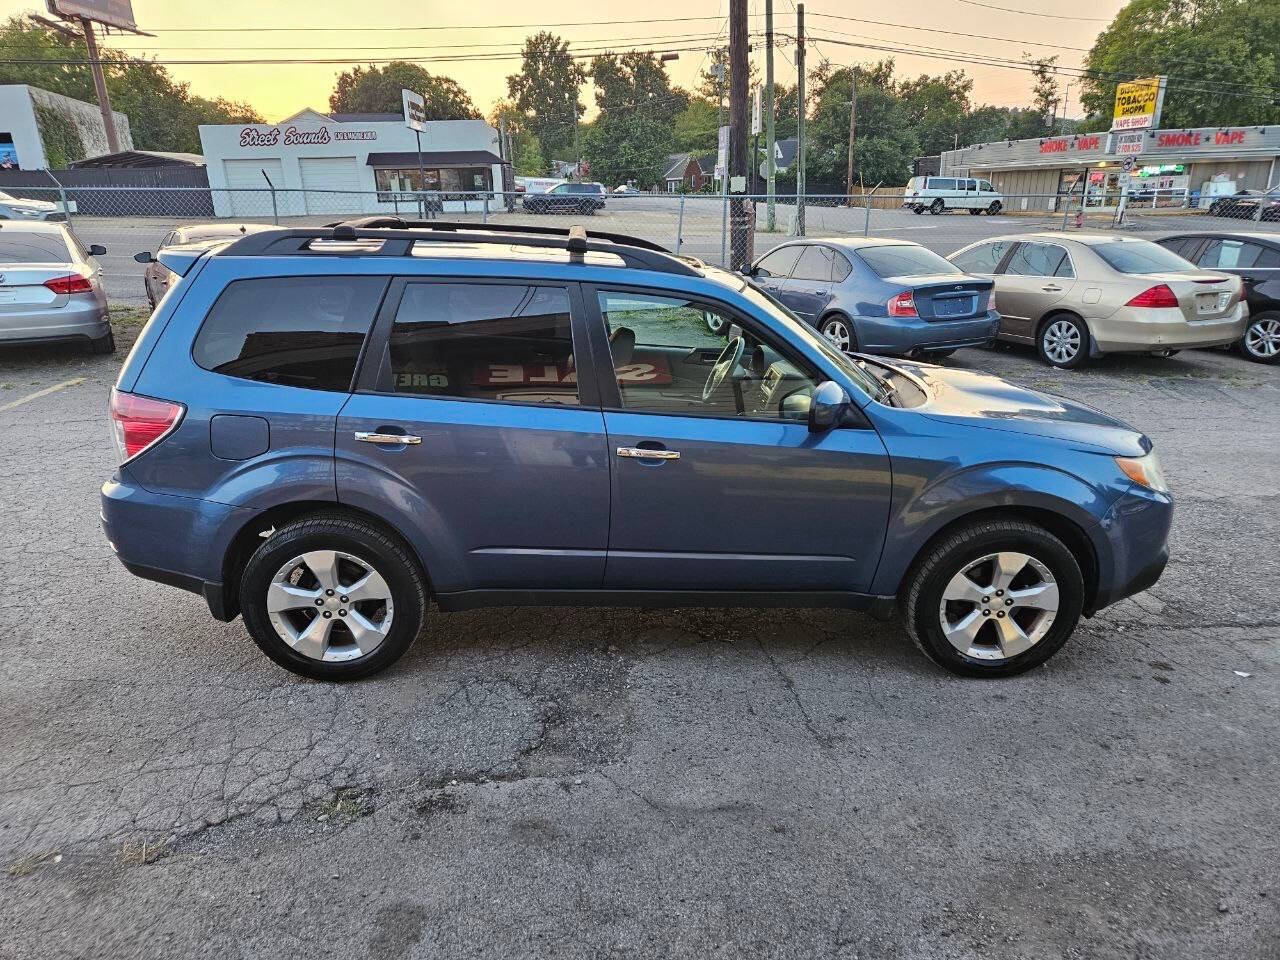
(587, 783)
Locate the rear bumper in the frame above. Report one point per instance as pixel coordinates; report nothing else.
(1137, 532)
(82, 317)
(179, 541)
(1132, 329)
(903, 335)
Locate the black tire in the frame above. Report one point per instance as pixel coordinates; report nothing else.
(1243, 343)
(995, 207)
(974, 211)
(1042, 334)
(104, 346)
(917, 210)
(937, 207)
(923, 599)
(336, 531)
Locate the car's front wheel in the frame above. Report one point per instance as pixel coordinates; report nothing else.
(994, 598)
(1063, 341)
(994, 208)
(333, 597)
(1261, 340)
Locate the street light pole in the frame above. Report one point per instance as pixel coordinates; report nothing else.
(771, 172)
(799, 227)
(853, 126)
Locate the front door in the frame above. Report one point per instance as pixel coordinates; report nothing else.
(808, 291)
(1037, 276)
(738, 494)
(503, 469)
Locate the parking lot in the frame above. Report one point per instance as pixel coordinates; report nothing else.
(581, 783)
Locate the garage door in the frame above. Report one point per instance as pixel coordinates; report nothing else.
(248, 194)
(331, 184)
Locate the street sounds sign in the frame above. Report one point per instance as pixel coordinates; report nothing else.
(1138, 104)
(415, 110)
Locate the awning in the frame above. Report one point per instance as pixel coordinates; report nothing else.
(433, 158)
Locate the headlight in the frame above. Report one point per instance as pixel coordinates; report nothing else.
(1145, 471)
(24, 212)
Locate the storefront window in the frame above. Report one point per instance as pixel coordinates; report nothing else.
(391, 181)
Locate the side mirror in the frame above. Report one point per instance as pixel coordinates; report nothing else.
(828, 406)
(96, 249)
(143, 257)
(752, 271)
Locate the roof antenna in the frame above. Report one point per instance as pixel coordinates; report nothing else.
(577, 242)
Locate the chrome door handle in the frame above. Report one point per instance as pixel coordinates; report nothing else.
(1051, 289)
(387, 439)
(640, 453)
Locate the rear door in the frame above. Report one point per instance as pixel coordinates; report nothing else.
(503, 467)
(738, 494)
(1037, 276)
(808, 290)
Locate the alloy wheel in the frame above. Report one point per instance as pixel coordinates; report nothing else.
(329, 605)
(1062, 341)
(837, 331)
(1262, 338)
(999, 606)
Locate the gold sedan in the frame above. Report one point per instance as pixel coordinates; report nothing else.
(1084, 295)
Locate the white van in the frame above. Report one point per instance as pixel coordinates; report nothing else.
(939, 194)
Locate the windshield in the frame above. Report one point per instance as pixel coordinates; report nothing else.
(1141, 256)
(18, 247)
(798, 329)
(907, 260)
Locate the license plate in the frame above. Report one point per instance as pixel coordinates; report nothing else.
(953, 307)
(1211, 302)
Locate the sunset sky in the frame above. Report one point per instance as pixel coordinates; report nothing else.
(379, 30)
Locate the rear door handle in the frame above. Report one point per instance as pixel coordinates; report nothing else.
(640, 453)
(386, 439)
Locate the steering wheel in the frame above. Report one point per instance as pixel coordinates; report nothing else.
(726, 363)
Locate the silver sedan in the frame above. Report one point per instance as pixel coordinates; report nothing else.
(51, 287)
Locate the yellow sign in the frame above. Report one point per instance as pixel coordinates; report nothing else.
(1136, 104)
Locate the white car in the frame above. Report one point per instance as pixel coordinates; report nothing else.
(16, 208)
(940, 194)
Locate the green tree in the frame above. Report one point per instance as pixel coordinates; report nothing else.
(526, 152)
(711, 87)
(1222, 57)
(547, 90)
(632, 135)
(936, 108)
(886, 144)
(694, 130)
(374, 89)
(163, 114)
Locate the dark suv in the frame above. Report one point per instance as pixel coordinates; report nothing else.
(584, 198)
(323, 428)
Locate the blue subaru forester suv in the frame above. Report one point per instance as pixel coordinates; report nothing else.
(322, 429)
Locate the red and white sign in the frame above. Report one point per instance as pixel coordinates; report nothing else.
(1200, 138)
(1071, 144)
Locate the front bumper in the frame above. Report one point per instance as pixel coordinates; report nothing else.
(1132, 329)
(902, 335)
(179, 541)
(1137, 532)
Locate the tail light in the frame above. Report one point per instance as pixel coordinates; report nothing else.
(1158, 296)
(903, 305)
(71, 283)
(139, 423)
(991, 300)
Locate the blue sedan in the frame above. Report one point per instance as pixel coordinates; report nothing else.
(880, 296)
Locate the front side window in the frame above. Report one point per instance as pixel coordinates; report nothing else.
(906, 260)
(984, 258)
(985, 186)
(664, 357)
(1039, 260)
(779, 263)
(293, 331)
(483, 341)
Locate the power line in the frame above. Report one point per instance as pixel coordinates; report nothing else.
(403, 29)
(952, 33)
(1032, 13)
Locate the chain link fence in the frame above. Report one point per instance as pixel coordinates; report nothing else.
(726, 231)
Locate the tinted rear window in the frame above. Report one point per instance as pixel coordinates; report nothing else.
(18, 247)
(295, 331)
(1140, 256)
(904, 261)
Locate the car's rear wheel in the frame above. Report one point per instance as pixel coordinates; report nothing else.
(1261, 340)
(994, 599)
(333, 597)
(917, 209)
(840, 331)
(994, 208)
(937, 207)
(1063, 341)
(974, 211)
(586, 208)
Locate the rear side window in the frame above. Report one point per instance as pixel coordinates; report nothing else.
(1039, 260)
(294, 331)
(941, 183)
(907, 260)
(484, 341)
(814, 265)
(984, 258)
(1236, 254)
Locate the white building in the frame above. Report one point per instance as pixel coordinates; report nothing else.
(24, 110)
(349, 163)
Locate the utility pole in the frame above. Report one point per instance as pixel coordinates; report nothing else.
(771, 173)
(739, 113)
(100, 85)
(853, 127)
(799, 227)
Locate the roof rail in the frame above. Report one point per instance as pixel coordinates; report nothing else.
(398, 237)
